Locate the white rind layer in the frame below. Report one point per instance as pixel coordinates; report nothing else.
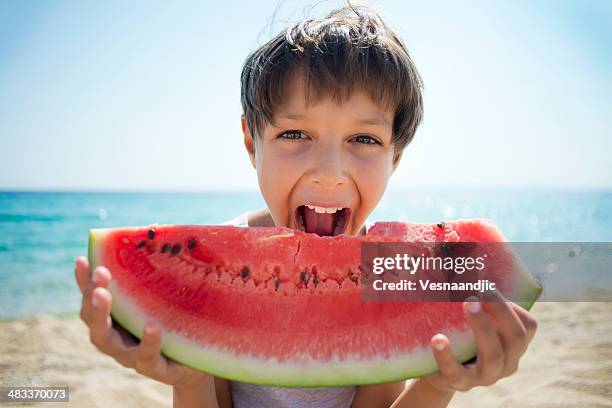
(245, 368)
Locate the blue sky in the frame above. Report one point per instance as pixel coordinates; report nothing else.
(144, 95)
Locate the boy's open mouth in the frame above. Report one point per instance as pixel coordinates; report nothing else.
(322, 221)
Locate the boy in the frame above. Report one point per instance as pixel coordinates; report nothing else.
(329, 106)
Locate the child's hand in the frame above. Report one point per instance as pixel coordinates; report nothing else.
(502, 335)
(145, 357)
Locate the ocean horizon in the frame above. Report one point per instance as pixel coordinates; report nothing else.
(42, 232)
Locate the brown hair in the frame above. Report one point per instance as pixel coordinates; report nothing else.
(350, 48)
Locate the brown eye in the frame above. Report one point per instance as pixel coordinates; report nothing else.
(365, 139)
(292, 134)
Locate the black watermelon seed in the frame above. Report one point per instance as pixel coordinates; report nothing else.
(364, 271)
(352, 276)
(140, 244)
(244, 273)
(276, 283)
(304, 276)
(191, 244)
(165, 248)
(151, 234)
(176, 248)
(441, 224)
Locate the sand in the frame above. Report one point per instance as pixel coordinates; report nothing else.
(568, 364)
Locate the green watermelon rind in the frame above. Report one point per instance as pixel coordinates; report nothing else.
(529, 289)
(269, 372)
(250, 369)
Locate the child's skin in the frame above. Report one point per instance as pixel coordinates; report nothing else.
(328, 155)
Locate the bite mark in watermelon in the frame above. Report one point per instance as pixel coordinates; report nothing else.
(282, 307)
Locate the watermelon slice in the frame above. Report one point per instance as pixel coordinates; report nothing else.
(282, 307)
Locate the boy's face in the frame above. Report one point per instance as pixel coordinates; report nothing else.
(323, 167)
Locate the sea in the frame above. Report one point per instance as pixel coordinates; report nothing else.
(41, 233)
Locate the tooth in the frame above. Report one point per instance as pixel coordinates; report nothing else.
(310, 206)
(319, 210)
(332, 210)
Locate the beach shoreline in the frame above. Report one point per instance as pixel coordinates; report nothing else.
(568, 364)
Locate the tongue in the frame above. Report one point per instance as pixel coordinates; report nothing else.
(322, 224)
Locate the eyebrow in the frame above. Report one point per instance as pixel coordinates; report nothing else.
(376, 120)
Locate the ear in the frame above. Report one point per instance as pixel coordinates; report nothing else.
(249, 143)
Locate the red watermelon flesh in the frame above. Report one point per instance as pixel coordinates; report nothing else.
(283, 307)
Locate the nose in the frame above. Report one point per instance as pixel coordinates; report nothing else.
(328, 167)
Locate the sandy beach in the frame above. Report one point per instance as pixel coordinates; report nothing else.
(569, 364)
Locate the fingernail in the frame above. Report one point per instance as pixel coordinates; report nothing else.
(490, 295)
(149, 327)
(473, 305)
(94, 299)
(439, 342)
(96, 276)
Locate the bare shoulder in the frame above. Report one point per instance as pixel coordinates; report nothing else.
(378, 395)
(260, 218)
